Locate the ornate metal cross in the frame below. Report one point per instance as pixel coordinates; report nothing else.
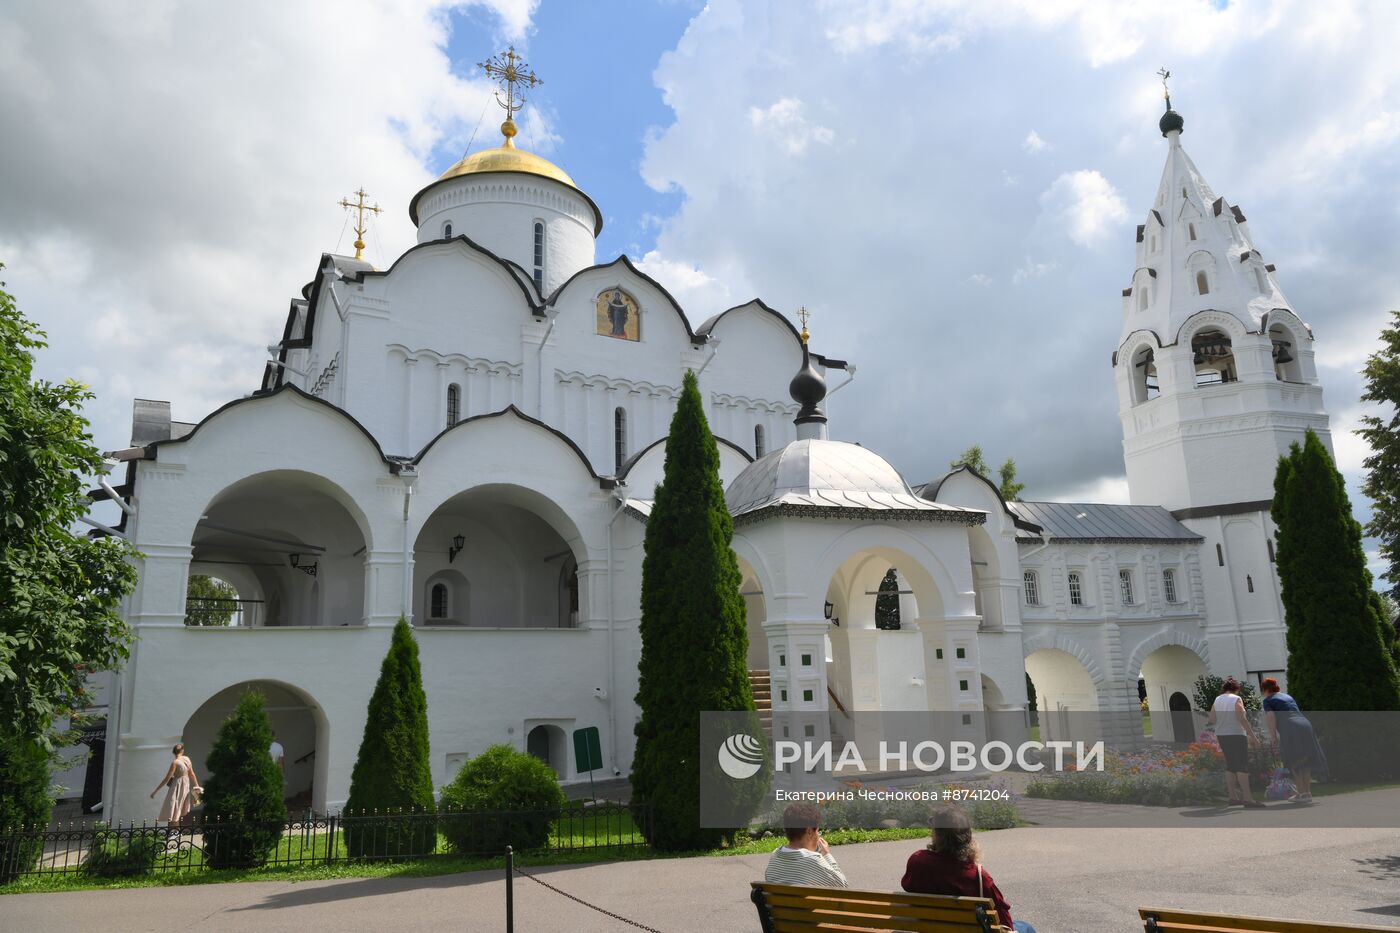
(1164, 74)
(509, 70)
(359, 206)
(802, 315)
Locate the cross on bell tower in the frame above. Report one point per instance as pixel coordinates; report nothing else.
(359, 207)
(511, 72)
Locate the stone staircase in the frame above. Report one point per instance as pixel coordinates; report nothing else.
(762, 686)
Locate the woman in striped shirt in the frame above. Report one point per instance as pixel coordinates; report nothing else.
(806, 859)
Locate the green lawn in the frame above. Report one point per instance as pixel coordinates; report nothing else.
(420, 868)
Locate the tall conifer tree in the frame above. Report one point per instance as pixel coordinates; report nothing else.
(693, 628)
(392, 774)
(244, 811)
(1382, 435)
(1338, 658)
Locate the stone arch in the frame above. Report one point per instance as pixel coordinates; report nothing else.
(934, 586)
(300, 722)
(1067, 685)
(1069, 646)
(1233, 327)
(1163, 639)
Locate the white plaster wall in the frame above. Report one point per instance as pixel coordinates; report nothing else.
(499, 212)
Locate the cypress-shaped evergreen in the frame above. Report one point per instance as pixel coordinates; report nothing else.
(25, 802)
(1338, 658)
(244, 813)
(694, 635)
(392, 774)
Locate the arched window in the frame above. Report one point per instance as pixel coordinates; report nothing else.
(1032, 585)
(619, 438)
(1125, 587)
(1202, 283)
(1169, 585)
(454, 404)
(1076, 588)
(447, 230)
(1286, 365)
(539, 255)
(1144, 376)
(760, 446)
(438, 605)
(1214, 357)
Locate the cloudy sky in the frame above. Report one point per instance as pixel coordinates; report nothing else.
(951, 187)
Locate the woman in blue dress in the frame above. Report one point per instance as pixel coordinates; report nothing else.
(1293, 736)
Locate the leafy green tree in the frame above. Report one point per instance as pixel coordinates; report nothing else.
(1338, 658)
(24, 802)
(1210, 686)
(59, 589)
(209, 601)
(392, 775)
(887, 602)
(500, 798)
(975, 460)
(694, 639)
(1382, 435)
(244, 812)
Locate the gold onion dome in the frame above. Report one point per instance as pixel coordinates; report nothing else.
(507, 158)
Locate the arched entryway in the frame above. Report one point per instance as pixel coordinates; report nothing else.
(497, 556)
(289, 544)
(546, 742)
(1169, 677)
(1066, 698)
(300, 727)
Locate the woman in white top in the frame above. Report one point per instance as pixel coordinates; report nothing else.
(1236, 738)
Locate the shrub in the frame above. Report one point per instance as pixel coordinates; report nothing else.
(244, 813)
(24, 803)
(994, 814)
(501, 798)
(121, 853)
(392, 774)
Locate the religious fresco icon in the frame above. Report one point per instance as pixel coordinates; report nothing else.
(618, 315)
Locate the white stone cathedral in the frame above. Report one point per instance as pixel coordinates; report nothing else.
(471, 439)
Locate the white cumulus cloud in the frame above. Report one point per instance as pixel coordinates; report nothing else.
(786, 122)
(1087, 204)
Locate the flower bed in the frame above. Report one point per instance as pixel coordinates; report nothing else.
(1160, 775)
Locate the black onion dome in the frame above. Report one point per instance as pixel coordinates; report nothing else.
(807, 389)
(1171, 120)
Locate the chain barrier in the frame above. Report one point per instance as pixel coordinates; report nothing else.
(579, 900)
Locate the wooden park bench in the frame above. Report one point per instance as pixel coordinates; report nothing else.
(1160, 920)
(790, 908)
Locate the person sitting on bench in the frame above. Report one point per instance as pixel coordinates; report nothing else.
(805, 859)
(950, 865)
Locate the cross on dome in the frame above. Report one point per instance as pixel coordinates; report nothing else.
(511, 72)
(359, 207)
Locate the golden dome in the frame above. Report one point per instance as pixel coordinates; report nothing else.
(507, 158)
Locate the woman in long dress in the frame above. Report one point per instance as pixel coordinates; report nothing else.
(182, 783)
(1292, 734)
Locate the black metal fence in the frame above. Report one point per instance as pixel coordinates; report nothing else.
(197, 844)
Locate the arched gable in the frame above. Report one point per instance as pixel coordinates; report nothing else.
(966, 487)
(1233, 327)
(643, 470)
(469, 248)
(513, 412)
(623, 267)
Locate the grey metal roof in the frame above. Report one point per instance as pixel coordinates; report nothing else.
(1092, 521)
(820, 476)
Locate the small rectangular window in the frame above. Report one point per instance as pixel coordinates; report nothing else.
(1169, 585)
(1076, 589)
(782, 660)
(807, 696)
(809, 730)
(782, 695)
(1125, 586)
(806, 660)
(938, 653)
(1220, 555)
(961, 653)
(962, 685)
(1269, 543)
(967, 719)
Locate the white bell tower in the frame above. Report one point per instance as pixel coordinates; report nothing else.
(1215, 379)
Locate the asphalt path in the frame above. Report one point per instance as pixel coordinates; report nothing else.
(1062, 878)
